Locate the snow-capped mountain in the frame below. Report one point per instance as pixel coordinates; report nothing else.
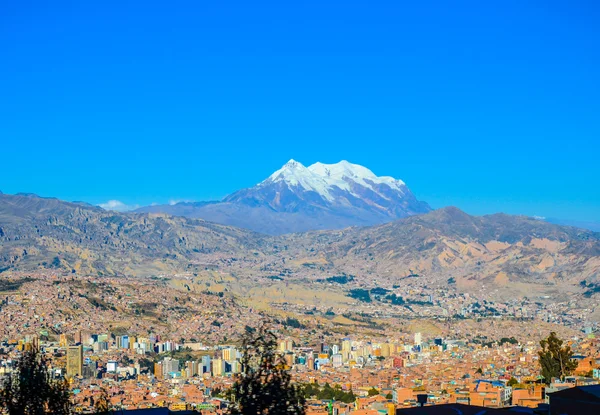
(343, 185)
(297, 198)
(328, 179)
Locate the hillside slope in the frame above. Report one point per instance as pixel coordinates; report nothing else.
(40, 232)
(499, 250)
(511, 254)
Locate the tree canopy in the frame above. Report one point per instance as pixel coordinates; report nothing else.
(555, 360)
(264, 387)
(373, 392)
(30, 389)
(512, 382)
(327, 392)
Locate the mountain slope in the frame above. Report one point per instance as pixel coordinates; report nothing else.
(498, 250)
(45, 232)
(297, 198)
(509, 256)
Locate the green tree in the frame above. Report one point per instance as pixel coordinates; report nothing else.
(264, 387)
(326, 393)
(389, 396)
(555, 360)
(512, 382)
(310, 390)
(146, 364)
(30, 389)
(102, 403)
(350, 397)
(373, 392)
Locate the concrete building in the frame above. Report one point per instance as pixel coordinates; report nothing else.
(74, 360)
(418, 339)
(218, 367)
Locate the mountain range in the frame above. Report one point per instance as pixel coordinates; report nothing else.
(47, 233)
(303, 225)
(506, 252)
(296, 198)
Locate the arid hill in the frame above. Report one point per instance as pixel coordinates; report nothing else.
(498, 250)
(40, 232)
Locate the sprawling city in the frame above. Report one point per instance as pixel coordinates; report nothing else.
(300, 208)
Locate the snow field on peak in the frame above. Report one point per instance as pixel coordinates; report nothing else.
(324, 178)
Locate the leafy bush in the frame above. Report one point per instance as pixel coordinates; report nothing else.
(379, 291)
(293, 322)
(340, 279)
(328, 393)
(360, 294)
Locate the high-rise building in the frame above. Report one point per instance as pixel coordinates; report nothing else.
(365, 351)
(170, 365)
(86, 337)
(337, 360)
(158, 370)
(285, 346)
(218, 367)
(144, 344)
(385, 349)
(418, 339)
(123, 342)
(100, 347)
(229, 354)
(89, 370)
(74, 360)
(206, 364)
(191, 368)
(236, 367)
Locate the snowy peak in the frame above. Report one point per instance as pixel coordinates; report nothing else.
(294, 174)
(293, 164)
(289, 170)
(322, 196)
(343, 168)
(345, 171)
(297, 198)
(329, 179)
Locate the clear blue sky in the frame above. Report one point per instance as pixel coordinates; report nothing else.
(486, 105)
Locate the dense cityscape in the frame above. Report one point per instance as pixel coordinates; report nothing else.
(105, 347)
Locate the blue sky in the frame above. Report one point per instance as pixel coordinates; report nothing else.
(489, 106)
